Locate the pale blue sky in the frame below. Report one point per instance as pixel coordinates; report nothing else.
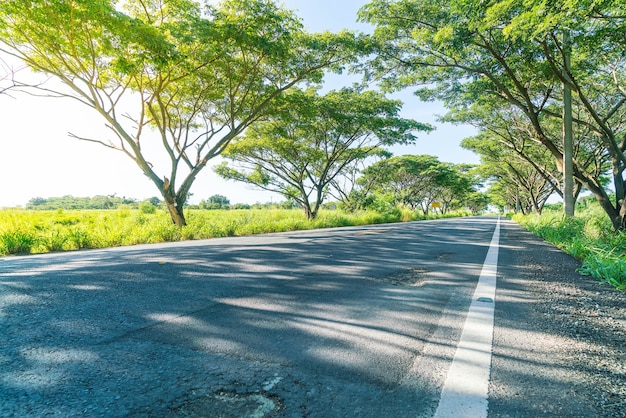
(38, 158)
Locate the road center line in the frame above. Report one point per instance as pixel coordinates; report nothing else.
(466, 389)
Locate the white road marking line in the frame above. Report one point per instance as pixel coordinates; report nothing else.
(465, 392)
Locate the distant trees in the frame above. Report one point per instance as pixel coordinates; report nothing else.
(216, 201)
(185, 78)
(526, 173)
(418, 181)
(521, 177)
(71, 202)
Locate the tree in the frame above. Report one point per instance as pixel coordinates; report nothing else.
(417, 181)
(154, 201)
(217, 201)
(477, 202)
(510, 53)
(187, 79)
(347, 189)
(460, 183)
(510, 153)
(515, 183)
(523, 171)
(313, 140)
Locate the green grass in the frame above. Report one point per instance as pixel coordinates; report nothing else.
(36, 231)
(589, 237)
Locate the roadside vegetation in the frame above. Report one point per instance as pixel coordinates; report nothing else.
(24, 231)
(588, 236)
(243, 79)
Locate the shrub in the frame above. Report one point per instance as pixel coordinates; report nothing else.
(37, 231)
(78, 238)
(55, 240)
(589, 237)
(147, 207)
(17, 242)
(165, 233)
(606, 266)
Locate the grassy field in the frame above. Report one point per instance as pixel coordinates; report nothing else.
(589, 237)
(36, 231)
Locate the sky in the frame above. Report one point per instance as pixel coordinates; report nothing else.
(38, 158)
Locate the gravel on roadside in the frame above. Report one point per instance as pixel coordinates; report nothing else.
(588, 317)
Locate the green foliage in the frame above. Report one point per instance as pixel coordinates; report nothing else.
(502, 66)
(198, 76)
(417, 181)
(313, 140)
(71, 202)
(17, 241)
(589, 236)
(147, 207)
(215, 202)
(606, 266)
(521, 174)
(30, 231)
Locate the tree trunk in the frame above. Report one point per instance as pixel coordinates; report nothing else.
(616, 213)
(176, 213)
(616, 216)
(619, 222)
(618, 181)
(310, 214)
(174, 203)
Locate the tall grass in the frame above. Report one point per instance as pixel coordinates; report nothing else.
(29, 231)
(589, 237)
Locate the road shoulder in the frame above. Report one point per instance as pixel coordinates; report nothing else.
(559, 336)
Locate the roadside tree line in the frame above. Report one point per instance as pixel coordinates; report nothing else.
(186, 76)
(84, 203)
(418, 182)
(504, 67)
(150, 205)
(242, 79)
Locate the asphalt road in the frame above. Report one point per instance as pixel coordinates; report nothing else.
(360, 321)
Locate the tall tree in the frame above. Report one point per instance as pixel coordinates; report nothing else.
(475, 53)
(416, 181)
(315, 139)
(507, 136)
(347, 188)
(520, 185)
(460, 185)
(184, 77)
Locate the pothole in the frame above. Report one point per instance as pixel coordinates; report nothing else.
(229, 404)
(445, 255)
(410, 277)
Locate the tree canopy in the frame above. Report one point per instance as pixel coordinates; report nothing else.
(417, 181)
(184, 76)
(474, 55)
(314, 139)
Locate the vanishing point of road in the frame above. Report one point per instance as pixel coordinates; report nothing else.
(369, 321)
